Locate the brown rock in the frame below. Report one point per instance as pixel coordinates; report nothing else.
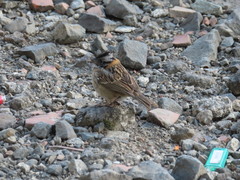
(182, 40)
(89, 4)
(49, 118)
(41, 5)
(206, 21)
(163, 117)
(97, 10)
(61, 8)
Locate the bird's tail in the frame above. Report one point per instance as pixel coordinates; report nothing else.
(149, 104)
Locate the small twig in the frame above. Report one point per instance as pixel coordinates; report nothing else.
(68, 148)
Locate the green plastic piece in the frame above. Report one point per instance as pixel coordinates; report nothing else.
(217, 159)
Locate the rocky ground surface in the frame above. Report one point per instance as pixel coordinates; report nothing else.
(185, 55)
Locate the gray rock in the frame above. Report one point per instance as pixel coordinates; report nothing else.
(227, 42)
(224, 124)
(172, 67)
(205, 117)
(41, 130)
(65, 33)
(206, 7)
(187, 144)
(107, 143)
(94, 23)
(55, 169)
(229, 95)
(43, 74)
(149, 170)
(169, 104)
(130, 20)
(76, 142)
(21, 153)
(204, 50)
(6, 120)
(192, 22)
(176, 3)
(182, 133)
(133, 54)
(122, 8)
(99, 127)
(19, 24)
(114, 118)
(234, 84)
(87, 136)
(105, 174)
(235, 128)
(235, 154)
(77, 166)
(153, 59)
(77, 4)
(69, 118)
(39, 52)
(199, 147)
(95, 167)
(22, 101)
(220, 106)
(231, 26)
(188, 168)
(98, 47)
(64, 130)
(236, 51)
(199, 80)
(15, 88)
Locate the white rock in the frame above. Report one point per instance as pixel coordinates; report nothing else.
(143, 81)
(159, 13)
(24, 167)
(124, 29)
(234, 144)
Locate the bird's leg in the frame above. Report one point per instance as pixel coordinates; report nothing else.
(110, 103)
(114, 102)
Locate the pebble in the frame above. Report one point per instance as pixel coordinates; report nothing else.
(54, 169)
(41, 130)
(64, 130)
(77, 166)
(233, 144)
(124, 29)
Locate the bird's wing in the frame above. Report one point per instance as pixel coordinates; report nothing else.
(118, 80)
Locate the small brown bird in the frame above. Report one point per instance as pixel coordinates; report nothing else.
(113, 82)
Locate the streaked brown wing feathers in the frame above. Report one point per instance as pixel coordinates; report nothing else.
(118, 79)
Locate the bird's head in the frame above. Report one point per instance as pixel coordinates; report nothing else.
(104, 59)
